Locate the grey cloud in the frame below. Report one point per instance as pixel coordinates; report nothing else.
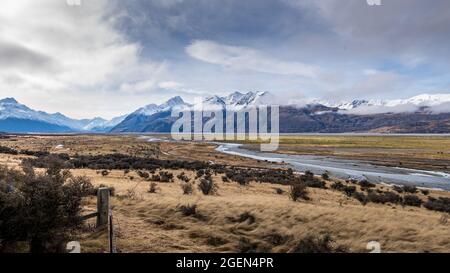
(17, 56)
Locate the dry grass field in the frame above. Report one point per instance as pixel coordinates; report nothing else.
(153, 222)
(415, 152)
(238, 218)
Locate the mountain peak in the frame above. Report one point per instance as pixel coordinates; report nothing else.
(174, 101)
(9, 100)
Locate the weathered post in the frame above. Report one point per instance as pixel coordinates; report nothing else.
(112, 239)
(102, 207)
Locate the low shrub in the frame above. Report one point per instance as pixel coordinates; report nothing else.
(246, 246)
(40, 209)
(7, 150)
(165, 177)
(313, 183)
(383, 198)
(187, 188)
(183, 177)
(410, 189)
(320, 244)
(364, 184)
(412, 200)
(207, 187)
(348, 190)
(153, 188)
(215, 241)
(361, 197)
(246, 217)
(298, 191)
(155, 177)
(398, 189)
(441, 204)
(276, 239)
(143, 175)
(188, 210)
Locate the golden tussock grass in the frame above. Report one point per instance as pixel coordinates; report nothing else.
(154, 223)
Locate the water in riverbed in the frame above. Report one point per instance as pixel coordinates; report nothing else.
(344, 168)
(341, 168)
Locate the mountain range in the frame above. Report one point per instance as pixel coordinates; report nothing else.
(424, 113)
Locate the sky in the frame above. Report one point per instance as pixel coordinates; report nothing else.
(109, 57)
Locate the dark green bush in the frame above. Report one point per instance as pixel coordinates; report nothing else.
(41, 209)
(187, 188)
(410, 189)
(188, 210)
(383, 198)
(366, 184)
(298, 191)
(153, 187)
(412, 200)
(319, 244)
(441, 204)
(207, 187)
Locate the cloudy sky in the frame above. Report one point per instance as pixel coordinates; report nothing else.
(107, 58)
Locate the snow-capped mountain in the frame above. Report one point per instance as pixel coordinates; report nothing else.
(424, 113)
(151, 109)
(238, 100)
(157, 118)
(425, 101)
(16, 117)
(102, 125)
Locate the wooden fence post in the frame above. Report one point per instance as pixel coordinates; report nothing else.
(102, 207)
(112, 238)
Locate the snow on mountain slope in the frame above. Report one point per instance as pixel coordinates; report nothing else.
(426, 102)
(239, 100)
(151, 109)
(102, 125)
(11, 109)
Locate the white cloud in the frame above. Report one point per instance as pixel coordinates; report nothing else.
(378, 109)
(170, 85)
(52, 49)
(244, 58)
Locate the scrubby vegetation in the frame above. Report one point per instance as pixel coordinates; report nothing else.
(412, 200)
(187, 188)
(41, 209)
(438, 204)
(298, 191)
(243, 217)
(384, 197)
(153, 188)
(7, 150)
(318, 244)
(183, 177)
(207, 186)
(188, 210)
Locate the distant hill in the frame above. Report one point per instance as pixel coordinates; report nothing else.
(18, 118)
(420, 114)
(14, 125)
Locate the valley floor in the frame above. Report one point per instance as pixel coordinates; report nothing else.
(256, 217)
